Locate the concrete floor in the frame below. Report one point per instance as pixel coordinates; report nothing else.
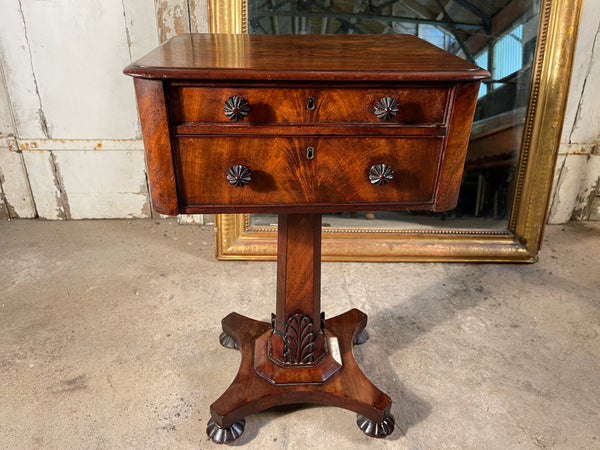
(108, 339)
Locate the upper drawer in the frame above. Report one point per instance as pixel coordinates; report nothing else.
(415, 105)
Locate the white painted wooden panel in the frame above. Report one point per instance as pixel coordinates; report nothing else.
(49, 199)
(18, 71)
(588, 31)
(71, 103)
(142, 36)
(576, 172)
(15, 185)
(140, 23)
(586, 128)
(104, 184)
(6, 121)
(567, 186)
(79, 50)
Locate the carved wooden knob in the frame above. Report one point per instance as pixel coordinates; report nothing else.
(236, 108)
(380, 174)
(386, 108)
(238, 175)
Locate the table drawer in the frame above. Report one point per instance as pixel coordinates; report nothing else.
(416, 105)
(283, 173)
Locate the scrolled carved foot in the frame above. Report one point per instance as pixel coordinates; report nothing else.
(227, 341)
(374, 429)
(225, 435)
(362, 337)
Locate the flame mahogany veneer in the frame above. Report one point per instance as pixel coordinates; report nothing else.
(301, 125)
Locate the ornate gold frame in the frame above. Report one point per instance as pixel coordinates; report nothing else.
(559, 19)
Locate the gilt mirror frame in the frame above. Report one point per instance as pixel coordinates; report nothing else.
(236, 239)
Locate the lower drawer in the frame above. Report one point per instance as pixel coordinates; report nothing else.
(318, 172)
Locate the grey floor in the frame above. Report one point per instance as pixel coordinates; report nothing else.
(108, 339)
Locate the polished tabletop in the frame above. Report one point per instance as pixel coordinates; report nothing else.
(391, 57)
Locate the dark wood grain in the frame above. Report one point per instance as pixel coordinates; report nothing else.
(348, 388)
(417, 105)
(191, 146)
(338, 129)
(303, 57)
(282, 175)
(298, 279)
(298, 268)
(453, 159)
(157, 144)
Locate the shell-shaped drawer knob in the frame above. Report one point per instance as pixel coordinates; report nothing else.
(238, 175)
(236, 108)
(386, 108)
(380, 174)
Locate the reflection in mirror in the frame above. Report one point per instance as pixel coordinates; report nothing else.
(498, 35)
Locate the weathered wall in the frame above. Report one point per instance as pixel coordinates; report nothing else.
(576, 192)
(70, 141)
(70, 145)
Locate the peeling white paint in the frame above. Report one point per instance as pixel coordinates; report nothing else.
(15, 184)
(190, 219)
(586, 127)
(81, 144)
(78, 63)
(3, 208)
(577, 172)
(44, 185)
(572, 180)
(18, 71)
(582, 66)
(66, 105)
(589, 189)
(595, 209)
(172, 17)
(6, 121)
(198, 16)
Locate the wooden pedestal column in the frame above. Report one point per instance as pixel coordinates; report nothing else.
(299, 357)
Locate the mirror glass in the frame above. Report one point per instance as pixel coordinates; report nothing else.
(498, 35)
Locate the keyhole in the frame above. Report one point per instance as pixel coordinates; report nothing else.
(311, 103)
(310, 153)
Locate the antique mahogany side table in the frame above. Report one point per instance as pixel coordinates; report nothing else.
(301, 125)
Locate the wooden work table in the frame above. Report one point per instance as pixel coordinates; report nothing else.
(299, 126)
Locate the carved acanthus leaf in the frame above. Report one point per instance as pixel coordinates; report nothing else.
(299, 340)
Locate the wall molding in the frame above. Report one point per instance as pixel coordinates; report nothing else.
(80, 144)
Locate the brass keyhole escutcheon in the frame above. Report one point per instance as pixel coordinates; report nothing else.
(310, 152)
(310, 105)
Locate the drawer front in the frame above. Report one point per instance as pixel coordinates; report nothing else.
(416, 105)
(283, 173)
